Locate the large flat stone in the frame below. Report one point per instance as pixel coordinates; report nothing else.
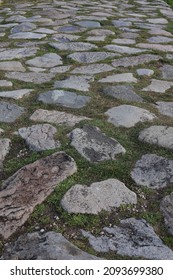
(123, 49)
(165, 108)
(64, 98)
(123, 92)
(161, 136)
(46, 60)
(30, 186)
(25, 26)
(128, 116)
(27, 35)
(94, 145)
(39, 137)
(17, 53)
(158, 86)
(33, 77)
(10, 112)
(56, 117)
(80, 83)
(167, 72)
(119, 78)
(166, 208)
(160, 39)
(48, 246)
(90, 57)
(157, 47)
(99, 196)
(15, 94)
(135, 60)
(133, 238)
(153, 171)
(88, 23)
(12, 66)
(92, 69)
(5, 83)
(73, 46)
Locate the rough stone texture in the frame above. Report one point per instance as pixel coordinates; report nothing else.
(133, 238)
(166, 207)
(11, 66)
(10, 112)
(5, 83)
(128, 116)
(145, 72)
(124, 92)
(90, 57)
(158, 86)
(153, 171)
(119, 78)
(99, 196)
(18, 53)
(30, 186)
(60, 69)
(39, 137)
(46, 60)
(73, 46)
(56, 117)
(123, 49)
(160, 39)
(27, 35)
(165, 108)
(80, 83)
(167, 72)
(88, 23)
(120, 23)
(94, 145)
(135, 60)
(4, 149)
(92, 69)
(47, 246)
(36, 78)
(158, 135)
(15, 94)
(25, 26)
(64, 98)
(124, 41)
(157, 47)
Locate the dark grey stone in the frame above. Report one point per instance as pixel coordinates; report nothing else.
(124, 92)
(166, 208)
(10, 112)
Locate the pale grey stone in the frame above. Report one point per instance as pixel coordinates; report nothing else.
(30, 186)
(44, 31)
(153, 171)
(1, 131)
(167, 72)
(56, 117)
(133, 238)
(64, 98)
(157, 20)
(46, 60)
(101, 32)
(5, 83)
(47, 246)
(60, 69)
(166, 207)
(10, 112)
(63, 38)
(160, 39)
(15, 94)
(144, 72)
(158, 86)
(36, 78)
(124, 49)
(135, 60)
(122, 92)
(88, 23)
(119, 78)
(80, 83)
(99, 196)
(165, 108)
(129, 35)
(92, 69)
(25, 26)
(16, 18)
(157, 47)
(17, 53)
(39, 137)
(120, 23)
(4, 150)
(70, 29)
(90, 57)
(128, 116)
(11, 66)
(158, 31)
(27, 35)
(96, 38)
(73, 46)
(124, 41)
(94, 145)
(36, 69)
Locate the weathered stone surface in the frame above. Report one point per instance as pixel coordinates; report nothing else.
(4, 149)
(65, 38)
(48, 246)
(90, 57)
(64, 98)
(120, 23)
(133, 238)
(160, 39)
(99, 196)
(123, 49)
(157, 47)
(158, 135)
(119, 78)
(167, 72)
(153, 171)
(15, 94)
(88, 23)
(60, 69)
(124, 92)
(135, 60)
(145, 72)
(101, 32)
(39, 137)
(73, 46)
(10, 54)
(158, 86)
(46, 60)
(27, 35)
(30, 186)
(70, 29)
(5, 83)
(165, 108)
(11, 66)
(96, 38)
(166, 208)
(94, 145)
(56, 117)
(92, 69)
(80, 83)
(10, 112)
(157, 20)
(124, 41)
(36, 78)
(128, 116)
(25, 26)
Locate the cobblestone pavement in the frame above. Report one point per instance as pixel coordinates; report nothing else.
(86, 135)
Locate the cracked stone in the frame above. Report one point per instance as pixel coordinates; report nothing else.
(165, 108)
(10, 112)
